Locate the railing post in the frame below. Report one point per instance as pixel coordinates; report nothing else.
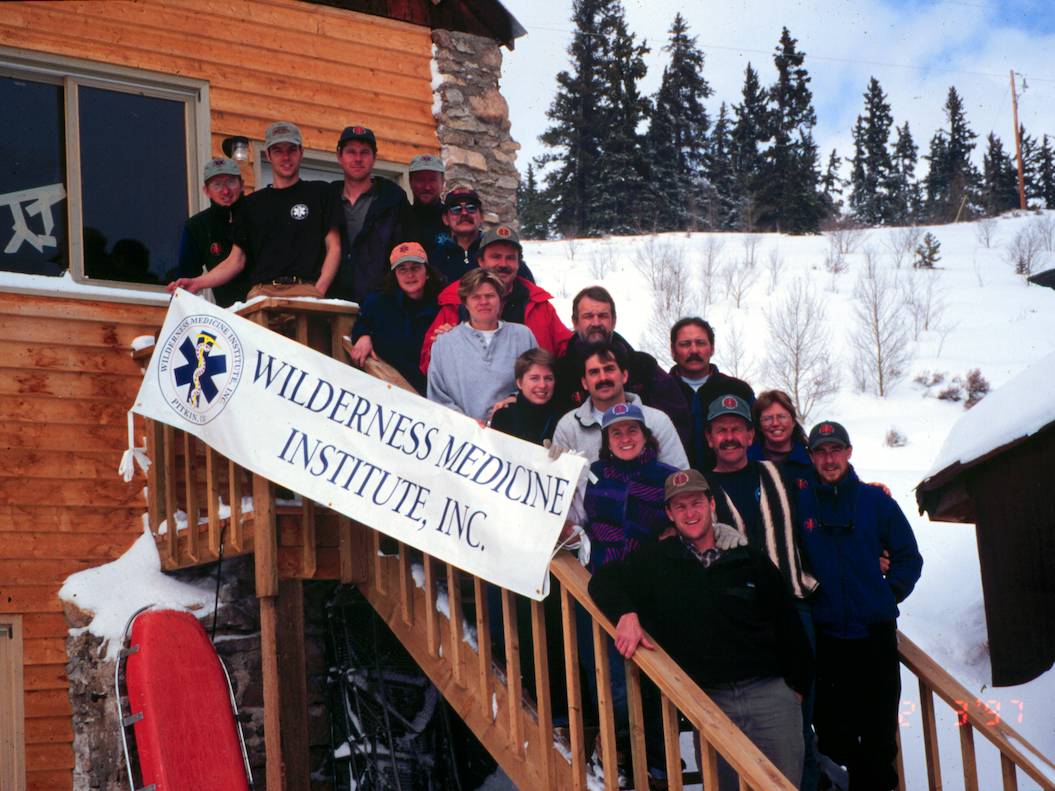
(930, 737)
(636, 712)
(212, 498)
(454, 608)
(671, 743)
(483, 642)
(605, 707)
(970, 765)
(234, 474)
(571, 669)
(431, 626)
(190, 497)
(543, 702)
(169, 451)
(514, 686)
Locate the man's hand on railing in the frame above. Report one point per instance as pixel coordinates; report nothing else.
(361, 351)
(629, 635)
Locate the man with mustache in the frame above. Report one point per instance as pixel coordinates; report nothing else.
(522, 301)
(593, 319)
(845, 525)
(603, 376)
(458, 251)
(700, 381)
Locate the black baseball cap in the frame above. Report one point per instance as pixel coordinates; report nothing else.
(460, 195)
(360, 133)
(828, 432)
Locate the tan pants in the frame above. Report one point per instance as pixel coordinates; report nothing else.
(284, 290)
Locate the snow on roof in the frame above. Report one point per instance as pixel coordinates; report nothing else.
(1020, 408)
(114, 591)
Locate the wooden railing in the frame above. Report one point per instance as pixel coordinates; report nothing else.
(1016, 754)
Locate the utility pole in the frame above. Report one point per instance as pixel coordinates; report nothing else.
(1018, 147)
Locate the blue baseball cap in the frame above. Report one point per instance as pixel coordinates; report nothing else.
(620, 413)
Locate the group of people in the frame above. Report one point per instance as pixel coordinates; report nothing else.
(749, 550)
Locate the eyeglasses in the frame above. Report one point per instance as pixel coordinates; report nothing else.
(464, 208)
(769, 420)
(220, 182)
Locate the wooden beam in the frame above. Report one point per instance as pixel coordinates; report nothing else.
(265, 538)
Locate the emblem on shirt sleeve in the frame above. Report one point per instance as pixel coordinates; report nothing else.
(299, 211)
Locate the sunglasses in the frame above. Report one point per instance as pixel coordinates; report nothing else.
(464, 208)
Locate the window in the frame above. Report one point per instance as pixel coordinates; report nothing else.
(97, 174)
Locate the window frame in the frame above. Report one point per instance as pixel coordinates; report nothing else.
(71, 74)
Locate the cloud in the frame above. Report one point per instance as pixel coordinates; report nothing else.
(916, 50)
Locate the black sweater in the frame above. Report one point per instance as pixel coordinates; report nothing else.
(531, 422)
(731, 621)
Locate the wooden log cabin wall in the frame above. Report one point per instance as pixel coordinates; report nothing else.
(66, 375)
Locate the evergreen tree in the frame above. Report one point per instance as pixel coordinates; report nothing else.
(677, 135)
(1046, 173)
(576, 122)
(622, 169)
(999, 179)
(928, 252)
(749, 133)
(951, 178)
(790, 200)
(904, 190)
(1030, 167)
(832, 186)
(532, 211)
(721, 189)
(873, 169)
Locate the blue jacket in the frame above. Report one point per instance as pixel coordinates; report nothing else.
(796, 466)
(844, 529)
(452, 261)
(396, 326)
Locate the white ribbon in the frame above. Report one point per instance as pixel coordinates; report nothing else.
(133, 456)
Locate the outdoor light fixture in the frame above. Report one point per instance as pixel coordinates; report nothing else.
(237, 148)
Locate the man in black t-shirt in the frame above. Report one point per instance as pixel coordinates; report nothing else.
(286, 236)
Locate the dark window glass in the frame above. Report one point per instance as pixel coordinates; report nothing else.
(33, 217)
(134, 184)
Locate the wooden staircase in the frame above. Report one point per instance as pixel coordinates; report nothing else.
(440, 614)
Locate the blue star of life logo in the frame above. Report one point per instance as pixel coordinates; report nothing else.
(200, 367)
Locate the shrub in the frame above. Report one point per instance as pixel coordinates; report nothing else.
(977, 387)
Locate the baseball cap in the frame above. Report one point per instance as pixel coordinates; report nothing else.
(621, 413)
(427, 162)
(407, 251)
(684, 482)
(360, 133)
(500, 233)
(828, 432)
(461, 195)
(728, 405)
(221, 166)
(282, 132)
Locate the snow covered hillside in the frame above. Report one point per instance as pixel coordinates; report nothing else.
(971, 312)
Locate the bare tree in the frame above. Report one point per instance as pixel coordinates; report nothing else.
(602, 260)
(738, 277)
(673, 296)
(571, 244)
(776, 266)
(902, 243)
(923, 300)
(654, 258)
(737, 361)
(710, 266)
(799, 359)
(846, 237)
(751, 242)
(984, 231)
(835, 258)
(1045, 225)
(880, 341)
(1026, 250)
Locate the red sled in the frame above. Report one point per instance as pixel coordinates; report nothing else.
(180, 706)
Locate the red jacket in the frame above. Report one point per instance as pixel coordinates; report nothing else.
(539, 317)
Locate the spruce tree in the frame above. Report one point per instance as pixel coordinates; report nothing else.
(1046, 172)
(750, 132)
(531, 208)
(1030, 166)
(873, 169)
(904, 190)
(952, 180)
(622, 169)
(790, 200)
(832, 186)
(928, 252)
(677, 135)
(576, 122)
(999, 179)
(721, 189)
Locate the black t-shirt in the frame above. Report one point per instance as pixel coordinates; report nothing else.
(283, 231)
(742, 487)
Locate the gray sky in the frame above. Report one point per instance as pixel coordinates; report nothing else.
(915, 48)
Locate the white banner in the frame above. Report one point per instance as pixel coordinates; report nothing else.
(486, 502)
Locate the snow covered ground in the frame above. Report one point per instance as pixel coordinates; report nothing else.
(991, 319)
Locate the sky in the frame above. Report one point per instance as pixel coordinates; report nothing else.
(915, 48)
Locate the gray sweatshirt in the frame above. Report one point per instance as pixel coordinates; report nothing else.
(468, 375)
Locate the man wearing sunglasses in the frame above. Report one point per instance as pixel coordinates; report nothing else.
(844, 527)
(206, 237)
(458, 251)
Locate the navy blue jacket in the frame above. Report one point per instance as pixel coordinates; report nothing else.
(396, 326)
(844, 529)
(796, 466)
(453, 261)
(701, 457)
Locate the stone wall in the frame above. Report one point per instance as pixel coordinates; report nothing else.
(472, 120)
